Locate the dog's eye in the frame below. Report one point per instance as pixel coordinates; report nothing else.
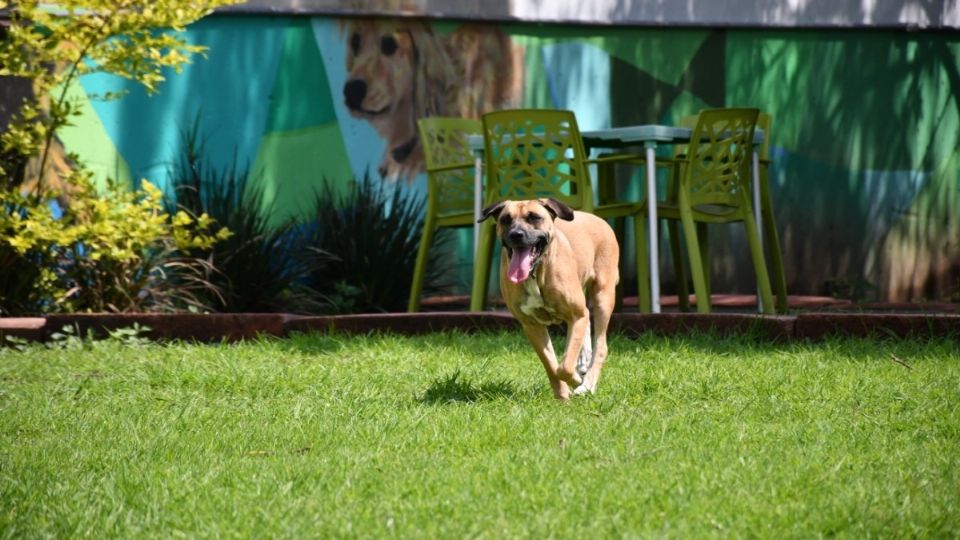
(388, 45)
(355, 43)
(505, 219)
(533, 219)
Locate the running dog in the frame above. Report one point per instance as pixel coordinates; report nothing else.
(559, 266)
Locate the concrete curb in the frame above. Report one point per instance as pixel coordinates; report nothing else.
(775, 327)
(163, 326)
(407, 323)
(234, 327)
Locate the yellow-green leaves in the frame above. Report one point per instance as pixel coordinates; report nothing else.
(53, 43)
(119, 235)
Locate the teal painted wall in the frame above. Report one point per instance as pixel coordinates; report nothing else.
(866, 175)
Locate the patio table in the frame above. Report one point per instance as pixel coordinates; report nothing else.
(648, 136)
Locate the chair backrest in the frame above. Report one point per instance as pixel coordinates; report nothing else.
(533, 153)
(688, 122)
(450, 172)
(718, 158)
(765, 123)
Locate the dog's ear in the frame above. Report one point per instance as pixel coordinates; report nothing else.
(557, 209)
(492, 210)
(432, 73)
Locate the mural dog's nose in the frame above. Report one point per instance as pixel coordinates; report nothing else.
(354, 91)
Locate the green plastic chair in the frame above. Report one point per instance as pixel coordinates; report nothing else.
(769, 232)
(450, 186)
(770, 236)
(711, 185)
(529, 154)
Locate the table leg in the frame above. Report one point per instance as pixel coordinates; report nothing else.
(652, 245)
(477, 199)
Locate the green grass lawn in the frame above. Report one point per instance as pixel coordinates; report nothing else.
(452, 435)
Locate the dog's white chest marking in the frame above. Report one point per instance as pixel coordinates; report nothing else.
(533, 305)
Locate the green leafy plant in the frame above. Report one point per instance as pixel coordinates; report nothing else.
(114, 251)
(362, 246)
(70, 338)
(48, 262)
(257, 267)
(131, 336)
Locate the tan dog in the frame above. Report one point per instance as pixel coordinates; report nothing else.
(555, 263)
(400, 71)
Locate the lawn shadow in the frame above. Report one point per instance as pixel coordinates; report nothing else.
(457, 388)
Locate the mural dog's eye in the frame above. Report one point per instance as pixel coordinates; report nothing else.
(534, 219)
(388, 45)
(355, 43)
(505, 220)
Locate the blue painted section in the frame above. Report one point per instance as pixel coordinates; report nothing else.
(228, 90)
(578, 77)
(886, 197)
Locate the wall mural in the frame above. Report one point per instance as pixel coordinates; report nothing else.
(865, 140)
(401, 71)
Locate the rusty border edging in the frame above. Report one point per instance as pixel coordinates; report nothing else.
(234, 327)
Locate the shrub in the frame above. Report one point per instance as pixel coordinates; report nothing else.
(113, 251)
(362, 246)
(257, 268)
(92, 258)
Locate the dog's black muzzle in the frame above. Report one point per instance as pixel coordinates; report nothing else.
(519, 237)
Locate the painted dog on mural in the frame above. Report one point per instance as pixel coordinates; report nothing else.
(401, 71)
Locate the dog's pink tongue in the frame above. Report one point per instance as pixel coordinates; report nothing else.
(520, 264)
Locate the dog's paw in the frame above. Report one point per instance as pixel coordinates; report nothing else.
(572, 378)
(583, 390)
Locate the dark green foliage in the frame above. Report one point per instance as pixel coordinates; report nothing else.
(256, 268)
(19, 283)
(364, 246)
(19, 276)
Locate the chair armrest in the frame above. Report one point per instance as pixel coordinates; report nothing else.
(450, 167)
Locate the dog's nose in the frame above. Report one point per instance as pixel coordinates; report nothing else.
(354, 91)
(515, 236)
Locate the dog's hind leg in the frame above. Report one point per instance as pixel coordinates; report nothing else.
(539, 337)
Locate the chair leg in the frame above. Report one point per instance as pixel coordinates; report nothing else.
(777, 276)
(683, 294)
(644, 304)
(420, 268)
(759, 263)
(696, 265)
(481, 267)
(703, 239)
(620, 230)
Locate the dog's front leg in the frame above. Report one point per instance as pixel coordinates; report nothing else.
(576, 330)
(539, 337)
